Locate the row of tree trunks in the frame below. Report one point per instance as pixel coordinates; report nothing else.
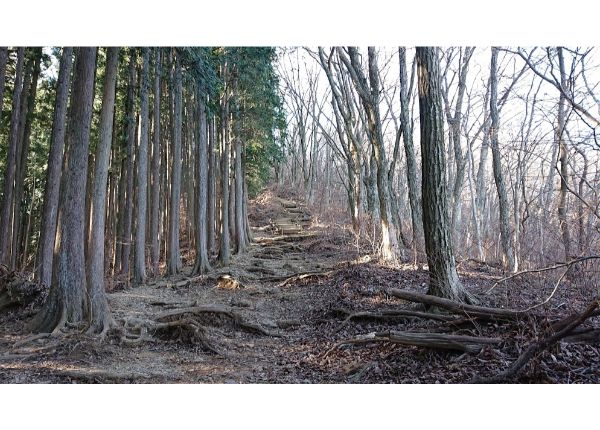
(11, 163)
(95, 206)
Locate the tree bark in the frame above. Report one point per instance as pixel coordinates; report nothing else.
(55, 158)
(443, 278)
(505, 236)
(202, 264)
(240, 231)
(225, 252)
(139, 269)
(564, 171)
(130, 139)
(96, 270)
(156, 156)
(411, 162)
(67, 302)
(212, 185)
(174, 261)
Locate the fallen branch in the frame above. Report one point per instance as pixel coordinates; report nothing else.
(457, 307)
(544, 269)
(469, 344)
(589, 335)
(537, 347)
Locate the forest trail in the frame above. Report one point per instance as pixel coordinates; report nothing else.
(280, 313)
(288, 247)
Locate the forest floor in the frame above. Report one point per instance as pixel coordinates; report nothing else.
(280, 310)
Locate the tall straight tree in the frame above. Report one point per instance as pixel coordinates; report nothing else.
(240, 230)
(507, 249)
(11, 161)
(560, 132)
(57, 142)
(443, 278)
(3, 61)
(212, 185)
(28, 104)
(202, 264)
(225, 251)
(407, 137)
(155, 169)
(130, 140)
(67, 301)
(174, 260)
(139, 269)
(96, 270)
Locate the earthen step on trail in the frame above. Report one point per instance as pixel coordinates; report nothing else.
(288, 204)
(290, 230)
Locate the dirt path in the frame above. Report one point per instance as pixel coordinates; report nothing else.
(286, 248)
(289, 295)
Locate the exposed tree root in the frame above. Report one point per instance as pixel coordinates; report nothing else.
(536, 348)
(100, 375)
(298, 276)
(457, 307)
(181, 324)
(236, 317)
(31, 338)
(387, 315)
(469, 344)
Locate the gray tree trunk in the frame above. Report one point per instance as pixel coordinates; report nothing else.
(156, 156)
(564, 171)
(67, 301)
(212, 185)
(224, 251)
(174, 260)
(443, 278)
(412, 175)
(55, 158)
(139, 269)
(130, 136)
(96, 271)
(240, 231)
(202, 264)
(505, 235)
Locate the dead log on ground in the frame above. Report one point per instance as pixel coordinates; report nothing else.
(469, 344)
